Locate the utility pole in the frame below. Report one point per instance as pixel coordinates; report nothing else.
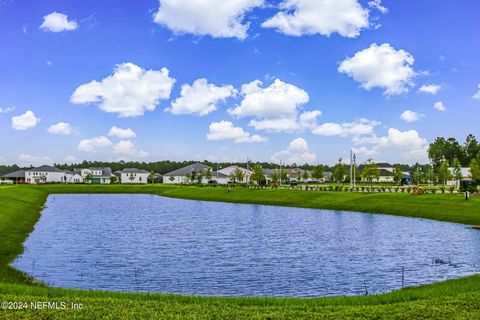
(354, 167)
(351, 169)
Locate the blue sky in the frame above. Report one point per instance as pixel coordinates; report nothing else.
(323, 78)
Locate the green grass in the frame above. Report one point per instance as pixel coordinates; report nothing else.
(20, 209)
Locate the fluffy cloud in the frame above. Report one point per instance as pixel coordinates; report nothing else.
(57, 22)
(121, 133)
(430, 88)
(224, 130)
(129, 91)
(324, 17)
(377, 4)
(216, 18)
(439, 106)
(408, 143)
(381, 66)
(297, 152)
(201, 98)
(126, 147)
(71, 159)
(411, 116)
(25, 121)
(7, 109)
(90, 145)
(34, 160)
(276, 107)
(61, 128)
(356, 128)
(476, 96)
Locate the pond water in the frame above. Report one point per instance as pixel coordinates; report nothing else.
(155, 244)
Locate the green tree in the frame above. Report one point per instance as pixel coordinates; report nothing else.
(317, 173)
(299, 176)
(208, 174)
(444, 173)
(113, 179)
(475, 167)
(89, 178)
(457, 171)
(398, 174)
(339, 172)
(199, 177)
(275, 176)
(471, 148)
(151, 177)
(131, 177)
(257, 174)
(370, 171)
(305, 175)
(283, 175)
(239, 175)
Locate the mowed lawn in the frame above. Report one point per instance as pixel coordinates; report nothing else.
(20, 209)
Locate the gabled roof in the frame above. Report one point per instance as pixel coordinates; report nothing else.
(46, 168)
(132, 170)
(16, 174)
(196, 167)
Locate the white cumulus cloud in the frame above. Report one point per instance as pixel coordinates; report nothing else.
(58, 22)
(381, 66)
(377, 4)
(71, 159)
(274, 108)
(430, 88)
(28, 159)
(6, 109)
(297, 152)
(61, 128)
(129, 91)
(411, 116)
(90, 145)
(201, 98)
(440, 106)
(356, 128)
(224, 130)
(126, 147)
(476, 96)
(324, 17)
(216, 18)
(121, 133)
(25, 121)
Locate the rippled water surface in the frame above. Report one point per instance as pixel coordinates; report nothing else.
(157, 244)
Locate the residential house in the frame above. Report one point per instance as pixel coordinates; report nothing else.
(15, 177)
(133, 176)
(229, 171)
(466, 176)
(45, 174)
(189, 174)
(91, 175)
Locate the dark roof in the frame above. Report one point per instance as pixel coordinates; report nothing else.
(132, 170)
(384, 165)
(15, 174)
(196, 167)
(384, 172)
(46, 168)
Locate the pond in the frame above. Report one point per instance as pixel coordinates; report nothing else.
(156, 244)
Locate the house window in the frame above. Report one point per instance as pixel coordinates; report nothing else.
(140, 179)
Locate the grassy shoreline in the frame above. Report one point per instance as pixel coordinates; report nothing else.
(21, 206)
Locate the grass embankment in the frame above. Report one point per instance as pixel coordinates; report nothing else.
(456, 299)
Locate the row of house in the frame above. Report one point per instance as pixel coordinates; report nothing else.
(49, 174)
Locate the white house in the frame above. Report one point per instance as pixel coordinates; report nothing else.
(96, 175)
(230, 170)
(45, 174)
(189, 174)
(133, 176)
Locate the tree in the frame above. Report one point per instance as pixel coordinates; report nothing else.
(283, 175)
(299, 176)
(151, 177)
(305, 175)
(257, 174)
(113, 179)
(89, 178)
(208, 174)
(339, 171)
(275, 176)
(131, 177)
(471, 148)
(199, 177)
(417, 174)
(475, 167)
(317, 173)
(370, 171)
(239, 175)
(444, 173)
(457, 171)
(232, 177)
(398, 174)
